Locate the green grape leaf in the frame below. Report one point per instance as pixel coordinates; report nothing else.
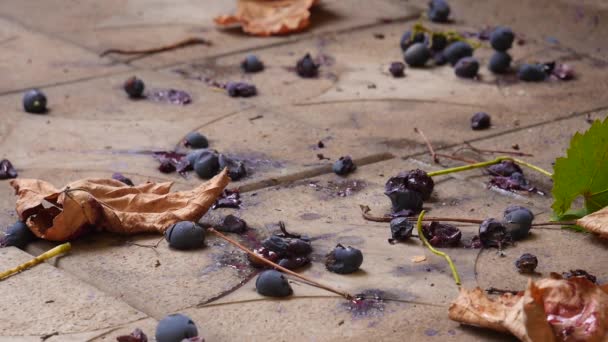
(582, 172)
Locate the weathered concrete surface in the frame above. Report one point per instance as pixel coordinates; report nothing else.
(354, 107)
(46, 300)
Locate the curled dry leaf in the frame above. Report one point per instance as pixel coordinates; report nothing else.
(110, 205)
(268, 17)
(551, 309)
(596, 223)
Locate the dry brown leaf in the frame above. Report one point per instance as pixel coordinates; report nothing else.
(551, 309)
(108, 204)
(269, 17)
(596, 222)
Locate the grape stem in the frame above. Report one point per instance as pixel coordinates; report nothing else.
(61, 249)
(488, 163)
(369, 217)
(278, 267)
(428, 145)
(436, 252)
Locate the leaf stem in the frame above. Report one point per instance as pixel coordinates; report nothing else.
(428, 245)
(63, 248)
(280, 268)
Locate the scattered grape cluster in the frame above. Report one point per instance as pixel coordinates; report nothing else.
(408, 190)
(208, 163)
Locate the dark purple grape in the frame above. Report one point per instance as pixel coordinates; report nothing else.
(518, 221)
(396, 69)
(134, 87)
(17, 235)
(519, 179)
(405, 199)
(207, 165)
(292, 263)
(457, 50)
(344, 166)
(416, 180)
(526, 263)
(532, 73)
(166, 166)
(241, 89)
(136, 336)
(417, 55)
(175, 328)
(306, 67)
(505, 168)
(580, 274)
(344, 260)
(252, 63)
(502, 38)
(441, 234)
(438, 41)
(232, 224)
(34, 101)
(492, 233)
(466, 67)
(439, 58)
(407, 40)
(196, 140)
(401, 229)
(480, 120)
(272, 283)
(236, 168)
(7, 170)
(439, 11)
(121, 178)
(185, 235)
(265, 253)
(500, 62)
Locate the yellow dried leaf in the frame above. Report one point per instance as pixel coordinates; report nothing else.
(551, 309)
(596, 222)
(110, 205)
(269, 17)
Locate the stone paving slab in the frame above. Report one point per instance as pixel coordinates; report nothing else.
(56, 302)
(118, 24)
(24, 68)
(355, 69)
(159, 280)
(315, 207)
(294, 320)
(93, 126)
(545, 142)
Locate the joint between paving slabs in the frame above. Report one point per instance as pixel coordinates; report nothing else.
(305, 36)
(310, 173)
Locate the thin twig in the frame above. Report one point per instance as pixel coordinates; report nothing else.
(280, 268)
(514, 153)
(469, 161)
(428, 145)
(436, 252)
(177, 45)
(63, 248)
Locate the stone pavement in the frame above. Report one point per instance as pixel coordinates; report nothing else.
(109, 285)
